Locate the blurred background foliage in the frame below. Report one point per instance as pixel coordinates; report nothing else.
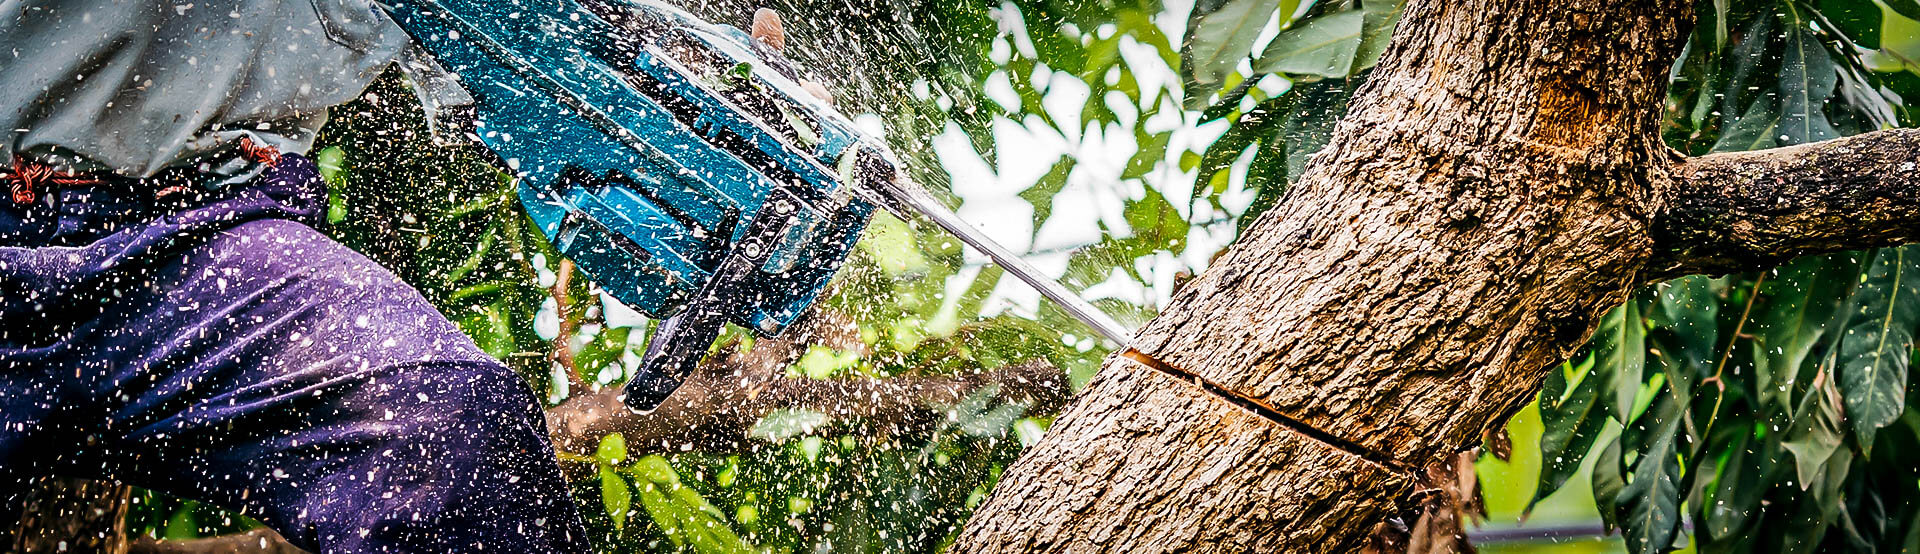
(1124, 143)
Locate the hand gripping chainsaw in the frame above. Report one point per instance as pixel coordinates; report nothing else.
(679, 163)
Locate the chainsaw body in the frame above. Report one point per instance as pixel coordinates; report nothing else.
(678, 163)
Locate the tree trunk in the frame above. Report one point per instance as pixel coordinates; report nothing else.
(73, 515)
(1487, 199)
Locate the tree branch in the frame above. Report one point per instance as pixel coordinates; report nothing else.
(569, 325)
(257, 541)
(1749, 210)
(718, 404)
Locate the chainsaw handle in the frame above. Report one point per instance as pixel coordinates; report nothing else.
(678, 345)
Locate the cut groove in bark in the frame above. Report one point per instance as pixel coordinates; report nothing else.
(1112, 487)
(1226, 395)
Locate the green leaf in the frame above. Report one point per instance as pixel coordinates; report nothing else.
(995, 422)
(1267, 175)
(655, 468)
(786, 423)
(1620, 352)
(1753, 75)
(480, 204)
(491, 328)
(332, 162)
(976, 415)
(612, 450)
(1817, 430)
(1152, 149)
(891, 245)
(1720, 10)
(1571, 421)
(1733, 500)
(478, 255)
(1028, 431)
(1041, 194)
(1907, 8)
(1809, 515)
(824, 362)
(606, 348)
(1325, 46)
(1879, 340)
(1376, 30)
(1689, 331)
(1220, 33)
(336, 206)
(667, 515)
(1758, 128)
(1807, 79)
(1154, 222)
(1828, 497)
(1258, 124)
(478, 290)
(1651, 500)
(1912, 541)
(183, 524)
(1607, 484)
(1858, 20)
(810, 446)
(615, 496)
(1802, 297)
(1309, 124)
(1229, 102)
(740, 75)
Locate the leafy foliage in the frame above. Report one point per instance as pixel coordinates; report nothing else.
(1770, 407)
(1321, 53)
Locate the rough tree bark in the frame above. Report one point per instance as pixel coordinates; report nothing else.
(73, 515)
(1497, 185)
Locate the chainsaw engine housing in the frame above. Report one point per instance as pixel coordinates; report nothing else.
(678, 163)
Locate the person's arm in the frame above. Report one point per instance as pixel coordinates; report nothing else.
(135, 87)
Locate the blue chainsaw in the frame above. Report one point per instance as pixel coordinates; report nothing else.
(680, 164)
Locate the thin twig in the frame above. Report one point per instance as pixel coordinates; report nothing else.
(1721, 386)
(569, 325)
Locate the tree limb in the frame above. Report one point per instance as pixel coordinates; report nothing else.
(718, 404)
(1748, 210)
(257, 541)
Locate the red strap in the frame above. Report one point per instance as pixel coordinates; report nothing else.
(27, 176)
(259, 153)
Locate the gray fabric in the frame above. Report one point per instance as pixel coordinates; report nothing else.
(137, 85)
